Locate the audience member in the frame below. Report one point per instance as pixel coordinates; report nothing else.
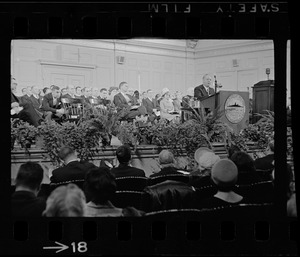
(205, 158)
(167, 195)
(157, 99)
(24, 201)
(100, 187)
(204, 90)
(150, 105)
(126, 102)
(52, 105)
(66, 201)
(177, 100)
(224, 174)
(265, 163)
(103, 97)
(246, 168)
(167, 162)
(78, 93)
(167, 107)
(46, 90)
(123, 154)
(23, 109)
(232, 149)
(36, 100)
(73, 168)
(64, 93)
(188, 97)
(112, 92)
(70, 92)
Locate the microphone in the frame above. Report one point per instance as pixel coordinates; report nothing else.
(217, 85)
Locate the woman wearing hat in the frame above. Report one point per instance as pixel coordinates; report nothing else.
(167, 107)
(224, 175)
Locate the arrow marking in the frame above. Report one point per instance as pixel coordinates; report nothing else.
(61, 247)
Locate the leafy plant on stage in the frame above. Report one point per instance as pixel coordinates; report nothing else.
(262, 131)
(23, 133)
(128, 133)
(52, 140)
(82, 137)
(106, 121)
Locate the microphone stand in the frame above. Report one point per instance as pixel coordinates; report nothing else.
(216, 100)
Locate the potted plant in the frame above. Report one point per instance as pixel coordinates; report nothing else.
(24, 133)
(105, 120)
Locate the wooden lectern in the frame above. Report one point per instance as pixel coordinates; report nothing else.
(234, 106)
(263, 98)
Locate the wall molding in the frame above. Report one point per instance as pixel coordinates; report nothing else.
(53, 63)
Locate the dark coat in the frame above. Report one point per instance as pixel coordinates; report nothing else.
(125, 170)
(74, 170)
(166, 171)
(48, 105)
(120, 101)
(28, 114)
(264, 163)
(149, 105)
(167, 195)
(200, 92)
(26, 204)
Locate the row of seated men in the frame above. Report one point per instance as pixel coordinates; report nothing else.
(34, 108)
(97, 196)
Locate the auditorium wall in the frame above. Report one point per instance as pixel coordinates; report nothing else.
(95, 64)
(238, 65)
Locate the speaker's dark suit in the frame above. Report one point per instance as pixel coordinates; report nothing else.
(125, 170)
(200, 92)
(74, 170)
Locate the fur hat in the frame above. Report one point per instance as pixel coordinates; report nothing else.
(164, 91)
(224, 173)
(207, 160)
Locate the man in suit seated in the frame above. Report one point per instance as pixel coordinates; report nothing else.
(72, 169)
(22, 109)
(203, 91)
(70, 92)
(36, 100)
(123, 154)
(103, 97)
(150, 105)
(167, 162)
(124, 101)
(24, 201)
(52, 105)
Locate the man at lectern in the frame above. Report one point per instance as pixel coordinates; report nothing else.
(204, 90)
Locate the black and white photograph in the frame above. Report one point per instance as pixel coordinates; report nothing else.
(164, 145)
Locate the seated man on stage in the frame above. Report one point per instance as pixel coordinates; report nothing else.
(150, 105)
(52, 105)
(122, 100)
(103, 97)
(22, 109)
(203, 91)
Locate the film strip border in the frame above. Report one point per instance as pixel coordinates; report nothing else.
(177, 234)
(170, 20)
(181, 235)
